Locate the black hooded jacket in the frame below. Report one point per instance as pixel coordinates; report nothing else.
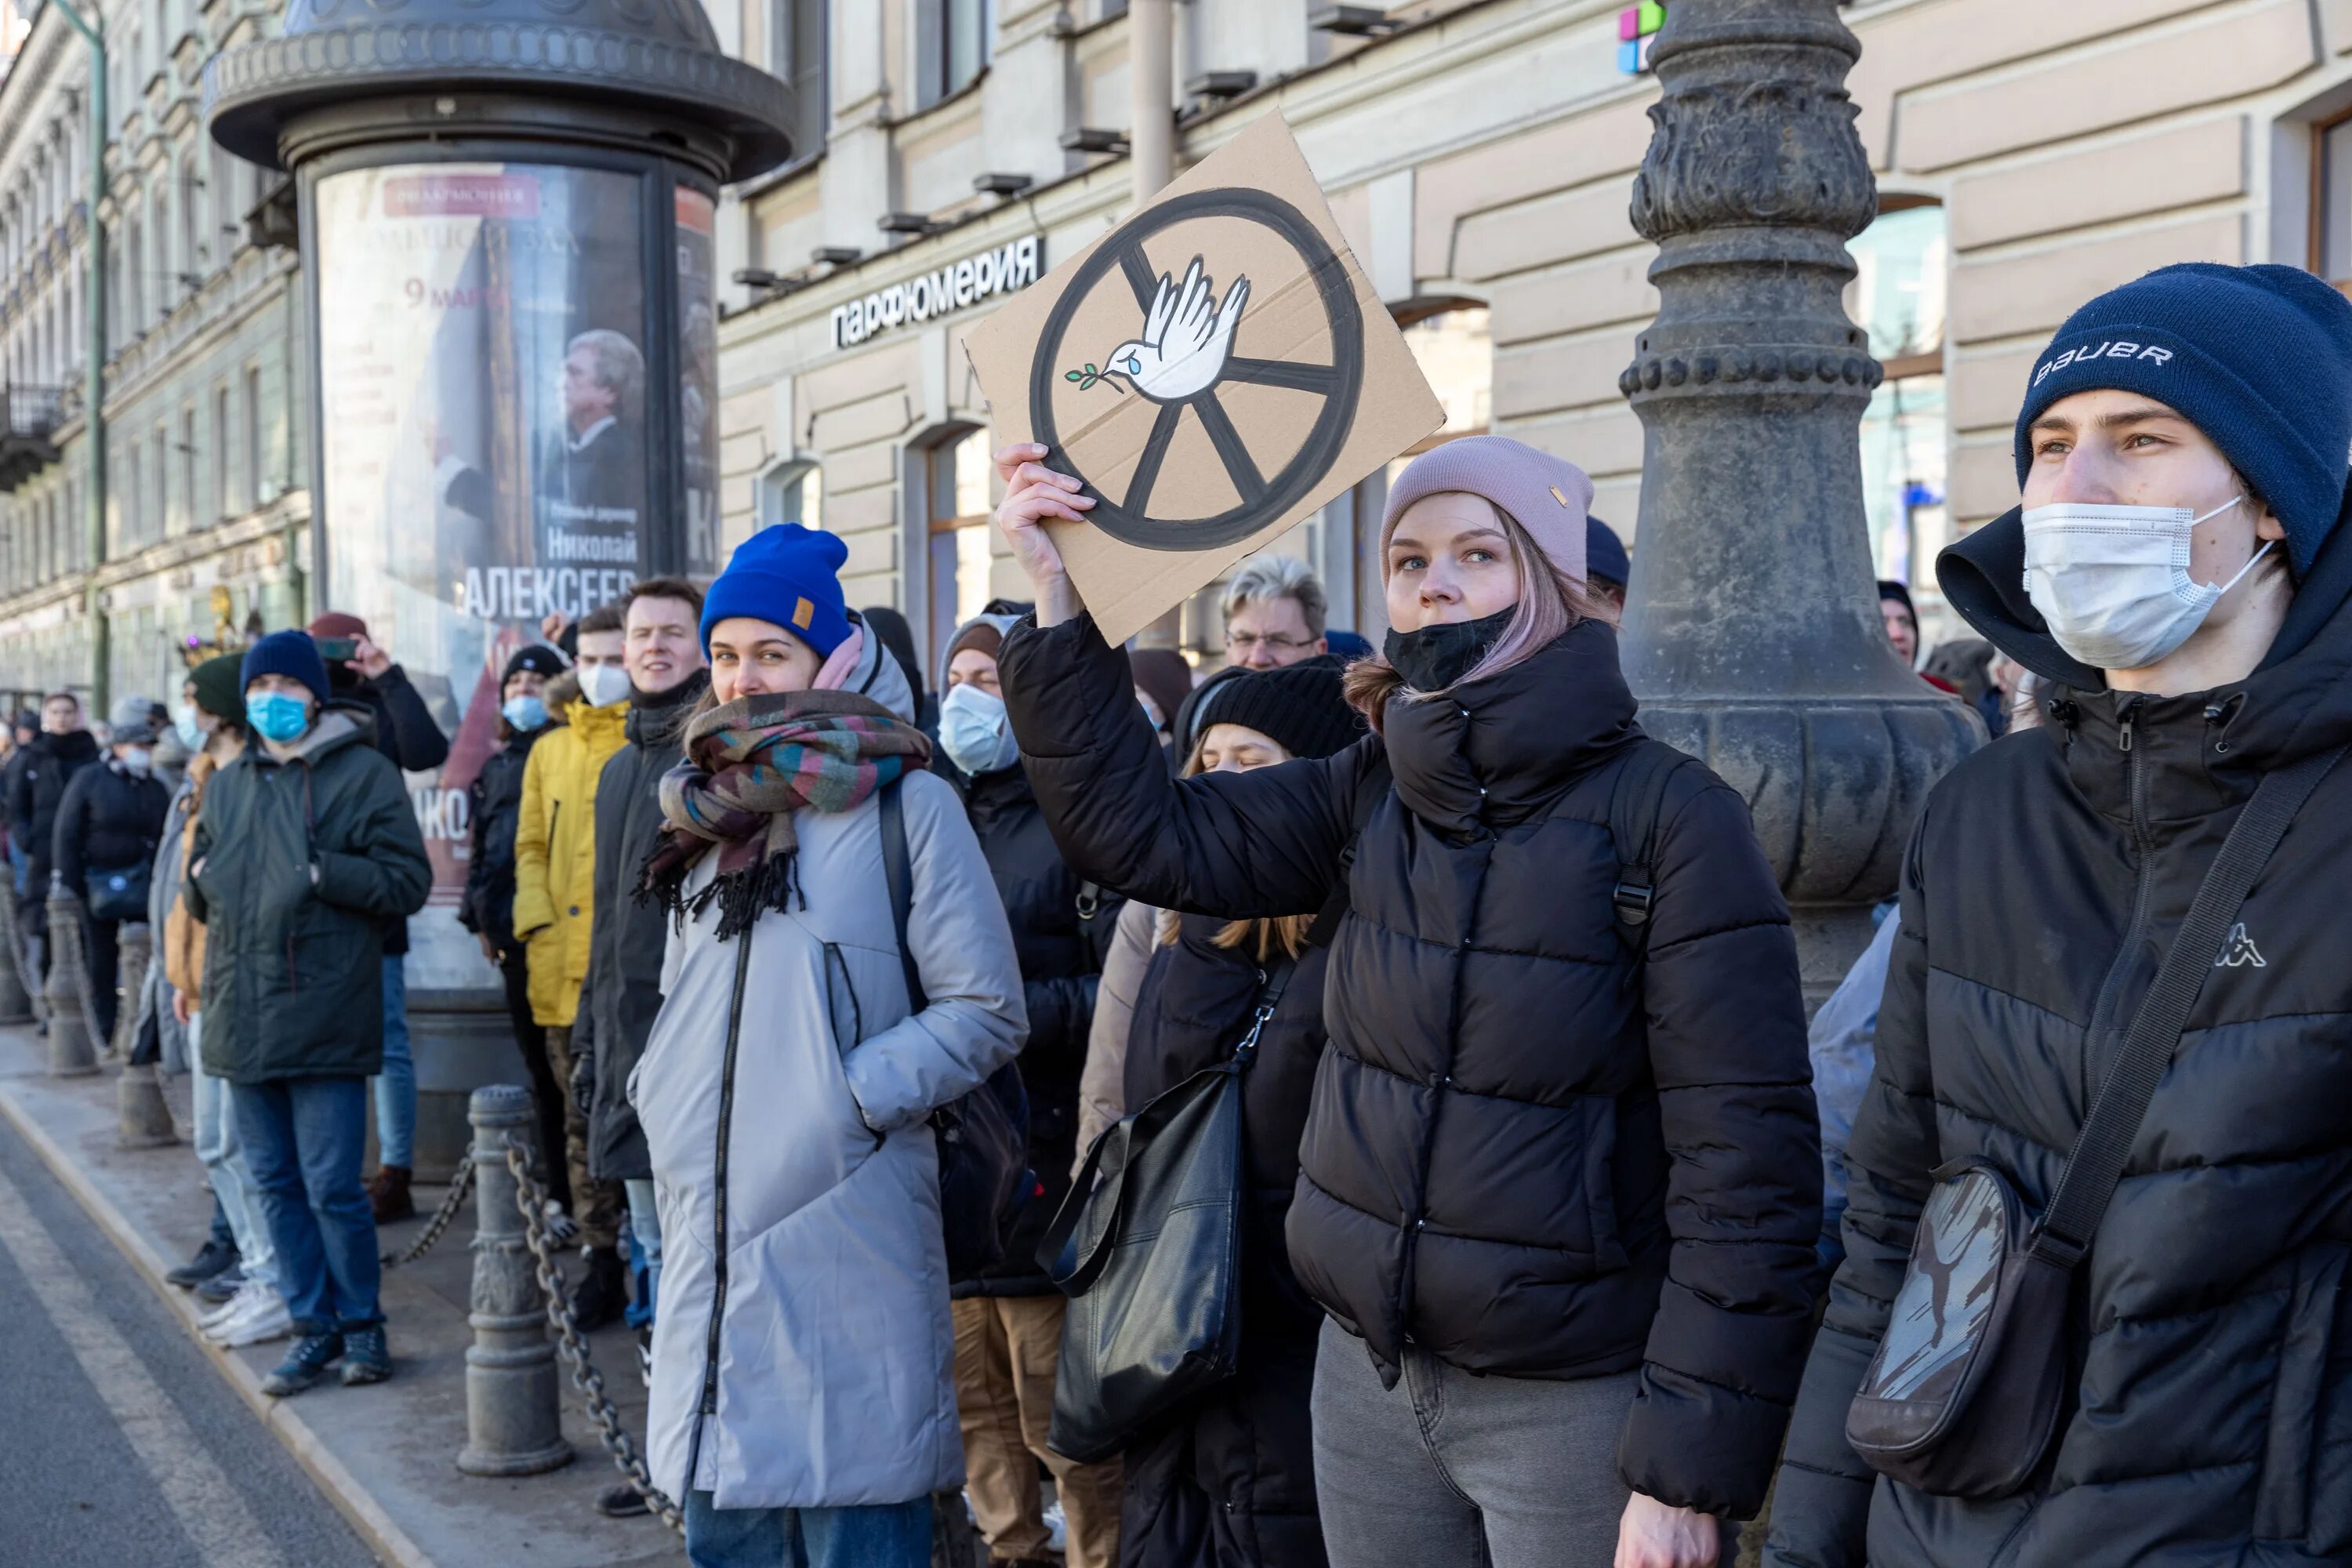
(495, 797)
(1061, 962)
(37, 783)
(111, 818)
(2209, 1416)
(1518, 1158)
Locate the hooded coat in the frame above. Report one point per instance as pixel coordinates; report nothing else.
(300, 866)
(555, 853)
(783, 1096)
(109, 818)
(1061, 955)
(495, 797)
(623, 992)
(37, 787)
(1520, 1156)
(2208, 1417)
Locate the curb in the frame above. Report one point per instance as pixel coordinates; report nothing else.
(354, 1501)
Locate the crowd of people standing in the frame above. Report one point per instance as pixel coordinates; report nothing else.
(1535, 1150)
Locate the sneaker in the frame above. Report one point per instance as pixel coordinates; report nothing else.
(304, 1365)
(603, 1292)
(260, 1316)
(366, 1358)
(388, 1194)
(1057, 1530)
(621, 1501)
(222, 1287)
(211, 1259)
(222, 1311)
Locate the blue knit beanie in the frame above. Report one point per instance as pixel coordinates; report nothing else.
(291, 654)
(787, 575)
(2258, 358)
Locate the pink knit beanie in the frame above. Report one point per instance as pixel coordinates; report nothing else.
(1547, 496)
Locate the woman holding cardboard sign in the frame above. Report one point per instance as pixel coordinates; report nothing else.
(1560, 1180)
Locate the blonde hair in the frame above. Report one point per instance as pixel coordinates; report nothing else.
(1261, 934)
(1549, 603)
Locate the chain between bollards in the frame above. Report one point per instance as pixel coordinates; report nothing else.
(584, 1375)
(460, 1185)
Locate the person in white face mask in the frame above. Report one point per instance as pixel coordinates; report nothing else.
(2178, 584)
(1008, 1321)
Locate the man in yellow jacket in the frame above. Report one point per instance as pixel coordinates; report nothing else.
(555, 869)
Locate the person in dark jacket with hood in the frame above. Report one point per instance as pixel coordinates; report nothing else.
(103, 849)
(1559, 1199)
(1228, 1480)
(306, 854)
(1008, 1321)
(37, 778)
(2179, 573)
(487, 908)
(407, 735)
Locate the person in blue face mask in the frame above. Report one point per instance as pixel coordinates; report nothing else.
(306, 852)
(2180, 578)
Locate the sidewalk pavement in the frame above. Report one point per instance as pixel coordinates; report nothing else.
(386, 1455)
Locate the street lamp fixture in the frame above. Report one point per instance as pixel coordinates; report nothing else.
(835, 255)
(917, 224)
(1353, 21)
(1094, 139)
(1221, 84)
(1002, 184)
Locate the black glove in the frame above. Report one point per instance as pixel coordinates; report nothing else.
(584, 1083)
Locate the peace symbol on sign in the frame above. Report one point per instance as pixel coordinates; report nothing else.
(1263, 499)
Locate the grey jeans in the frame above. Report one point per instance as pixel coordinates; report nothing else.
(1448, 1469)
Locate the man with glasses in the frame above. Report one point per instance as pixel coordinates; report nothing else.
(1275, 614)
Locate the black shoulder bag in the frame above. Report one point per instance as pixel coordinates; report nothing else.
(1962, 1397)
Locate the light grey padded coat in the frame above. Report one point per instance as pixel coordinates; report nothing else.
(816, 1368)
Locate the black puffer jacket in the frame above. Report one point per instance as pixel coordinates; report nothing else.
(2211, 1419)
(1061, 961)
(495, 804)
(111, 818)
(627, 936)
(36, 788)
(1512, 1147)
(1229, 1481)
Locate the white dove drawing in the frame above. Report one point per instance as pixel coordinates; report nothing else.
(1186, 337)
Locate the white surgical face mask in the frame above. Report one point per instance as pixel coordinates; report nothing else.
(2113, 581)
(604, 684)
(137, 759)
(975, 732)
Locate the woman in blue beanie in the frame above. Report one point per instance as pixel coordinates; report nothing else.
(2178, 575)
(802, 1386)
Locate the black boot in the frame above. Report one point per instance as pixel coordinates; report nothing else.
(604, 1293)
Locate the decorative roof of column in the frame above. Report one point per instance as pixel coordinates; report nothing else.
(653, 54)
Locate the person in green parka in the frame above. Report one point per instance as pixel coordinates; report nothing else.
(307, 853)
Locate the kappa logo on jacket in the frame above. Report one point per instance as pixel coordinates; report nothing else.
(2240, 950)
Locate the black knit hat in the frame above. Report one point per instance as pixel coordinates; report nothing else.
(537, 658)
(220, 687)
(1299, 705)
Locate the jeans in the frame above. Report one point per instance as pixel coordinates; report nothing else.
(103, 940)
(883, 1535)
(303, 1138)
(223, 1157)
(395, 1087)
(1451, 1469)
(644, 1225)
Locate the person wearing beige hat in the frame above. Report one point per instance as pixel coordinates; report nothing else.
(1560, 1182)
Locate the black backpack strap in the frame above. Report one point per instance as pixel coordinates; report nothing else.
(1371, 788)
(898, 871)
(1636, 801)
(2097, 1163)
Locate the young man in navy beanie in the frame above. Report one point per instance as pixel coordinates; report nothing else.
(2179, 575)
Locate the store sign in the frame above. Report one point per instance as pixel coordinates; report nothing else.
(1010, 267)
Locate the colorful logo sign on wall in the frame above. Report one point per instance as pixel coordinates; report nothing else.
(1637, 30)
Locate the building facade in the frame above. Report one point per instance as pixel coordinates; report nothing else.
(202, 529)
(1478, 153)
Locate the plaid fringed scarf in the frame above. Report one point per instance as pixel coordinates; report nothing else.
(749, 764)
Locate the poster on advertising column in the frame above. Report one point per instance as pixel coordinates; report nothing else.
(484, 390)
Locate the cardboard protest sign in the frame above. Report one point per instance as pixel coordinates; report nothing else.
(1214, 369)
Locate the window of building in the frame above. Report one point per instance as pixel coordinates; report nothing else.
(228, 222)
(793, 492)
(224, 498)
(159, 522)
(954, 39)
(188, 465)
(253, 436)
(193, 252)
(124, 524)
(799, 45)
(959, 477)
(1901, 264)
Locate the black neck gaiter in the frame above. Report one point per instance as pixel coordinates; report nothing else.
(1437, 658)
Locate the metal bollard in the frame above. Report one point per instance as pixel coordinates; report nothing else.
(135, 948)
(15, 999)
(71, 1054)
(142, 1119)
(512, 1428)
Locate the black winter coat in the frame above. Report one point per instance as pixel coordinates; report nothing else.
(1061, 964)
(109, 819)
(1229, 1481)
(2209, 1420)
(627, 935)
(1518, 1159)
(495, 803)
(305, 863)
(36, 788)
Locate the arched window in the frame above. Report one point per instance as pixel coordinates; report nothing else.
(958, 480)
(1902, 262)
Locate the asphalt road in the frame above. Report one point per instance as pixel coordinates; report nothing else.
(126, 1445)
